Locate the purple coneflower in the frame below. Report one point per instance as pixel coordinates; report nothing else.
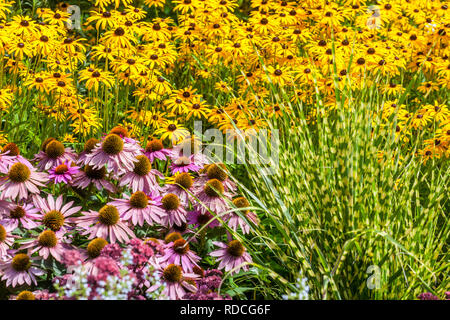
(63, 173)
(15, 215)
(179, 253)
(88, 147)
(88, 257)
(232, 256)
(140, 207)
(95, 176)
(174, 213)
(48, 243)
(176, 282)
(117, 153)
(20, 181)
(211, 196)
(53, 154)
(199, 219)
(142, 177)
(216, 171)
(184, 164)
(180, 185)
(234, 220)
(182, 229)
(155, 150)
(53, 213)
(11, 154)
(6, 240)
(105, 224)
(19, 270)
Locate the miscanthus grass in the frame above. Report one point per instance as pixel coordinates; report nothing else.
(348, 205)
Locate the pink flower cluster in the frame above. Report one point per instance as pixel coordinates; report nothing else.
(195, 198)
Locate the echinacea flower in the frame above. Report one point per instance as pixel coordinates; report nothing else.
(53, 153)
(234, 220)
(179, 185)
(88, 147)
(178, 252)
(11, 154)
(6, 240)
(142, 177)
(93, 251)
(18, 214)
(232, 256)
(105, 224)
(174, 212)
(155, 150)
(184, 164)
(199, 219)
(48, 243)
(118, 154)
(95, 176)
(211, 196)
(25, 295)
(140, 207)
(53, 213)
(176, 282)
(216, 171)
(63, 173)
(20, 181)
(19, 270)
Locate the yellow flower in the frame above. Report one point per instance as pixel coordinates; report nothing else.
(94, 77)
(173, 131)
(69, 138)
(197, 109)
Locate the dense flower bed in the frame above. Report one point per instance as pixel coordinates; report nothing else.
(130, 231)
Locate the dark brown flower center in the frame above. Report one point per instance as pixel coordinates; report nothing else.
(203, 218)
(61, 169)
(180, 246)
(96, 174)
(112, 144)
(139, 200)
(241, 202)
(120, 131)
(184, 179)
(213, 188)
(47, 239)
(19, 172)
(53, 220)
(12, 148)
(2, 233)
(173, 236)
(119, 32)
(90, 145)
(17, 213)
(217, 171)
(108, 215)
(235, 248)
(95, 247)
(154, 145)
(54, 149)
(172, 273)
(143, 166)
(170, 202)
(21, 262)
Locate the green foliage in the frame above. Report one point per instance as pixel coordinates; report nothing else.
(348, 195)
